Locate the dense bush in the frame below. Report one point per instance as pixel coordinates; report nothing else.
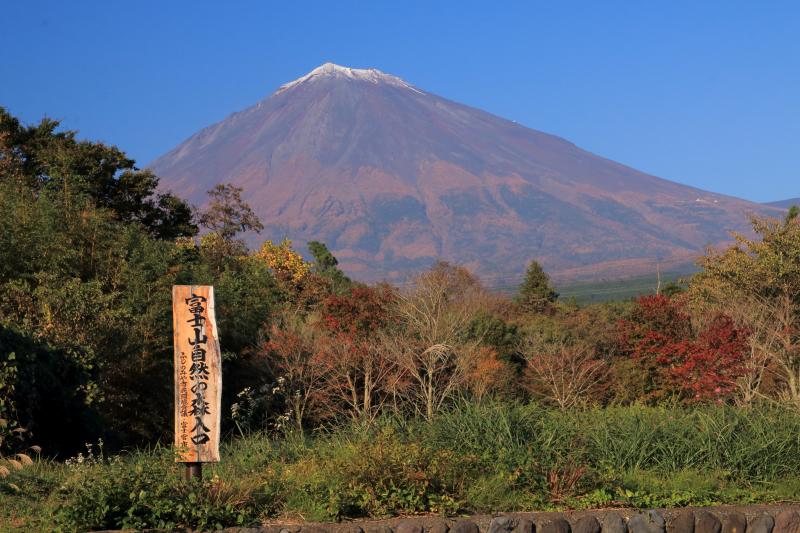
(377, 473)
(147, 490)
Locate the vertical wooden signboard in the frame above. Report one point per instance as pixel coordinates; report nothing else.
(198, 374)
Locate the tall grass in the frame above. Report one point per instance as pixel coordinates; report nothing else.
(471, 458)
(758, 444)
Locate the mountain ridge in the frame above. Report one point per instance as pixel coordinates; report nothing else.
(392, 177)
(787, 203)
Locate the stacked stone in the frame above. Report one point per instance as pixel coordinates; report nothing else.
(783, 520)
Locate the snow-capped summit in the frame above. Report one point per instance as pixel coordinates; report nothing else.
(332, 70)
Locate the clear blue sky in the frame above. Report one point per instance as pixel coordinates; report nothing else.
(704, 93)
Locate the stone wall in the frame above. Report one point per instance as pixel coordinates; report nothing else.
(724, 519)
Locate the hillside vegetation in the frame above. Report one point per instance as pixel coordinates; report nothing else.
(343, 399)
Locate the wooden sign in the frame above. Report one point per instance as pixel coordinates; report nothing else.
(198, 374)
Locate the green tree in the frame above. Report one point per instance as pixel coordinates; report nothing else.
(792, 214)
(48, 160)
(535, 293)
(85, 279)
(326, 265)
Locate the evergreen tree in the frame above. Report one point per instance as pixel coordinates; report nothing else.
(326, 265)
(794, 211)
(535, 292)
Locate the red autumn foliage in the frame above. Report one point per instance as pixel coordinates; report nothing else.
(291, 354)
(359, 312)
(654, 321)
(673, 358)
(359, 374)
(707, 367)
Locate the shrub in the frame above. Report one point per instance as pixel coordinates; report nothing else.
(377, 473)
(145, 490)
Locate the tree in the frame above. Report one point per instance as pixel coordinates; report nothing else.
(326, 265)
(708, 366)
(87, 260)
(566, 375)
(432, 345)
(42, 395)
(293, 355)
(287, 265)
(758, 282)
(535, 292)
(673, 355)
(502, 336)
(227, 214)
(52, 161)
(792, 214)
(360, 311)
(487, 373)
(653, 322)
(361, 375)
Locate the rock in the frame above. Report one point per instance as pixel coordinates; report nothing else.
(734, 523)
(464, 526)
(408, 526)
(524, 526)
(321, 528)
(313, 529)
(761, 524)
(506, 524)
(377, 528)
(647, 522)
(558, 525)
(439, 526)
(705, 522)
(586, 524)
(502, 524)
(613, 523)
(682, 522)
(290, 529)
(787, 522)
(271, 529)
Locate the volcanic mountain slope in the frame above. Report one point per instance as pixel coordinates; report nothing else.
(784, 203)
(392, 178)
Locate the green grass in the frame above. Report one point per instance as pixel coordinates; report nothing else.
(615, 290)
(23, 497)
(587, 292)
(495, 457)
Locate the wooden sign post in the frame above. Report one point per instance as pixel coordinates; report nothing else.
(198, 377)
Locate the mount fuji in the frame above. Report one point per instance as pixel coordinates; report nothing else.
(392, 177)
